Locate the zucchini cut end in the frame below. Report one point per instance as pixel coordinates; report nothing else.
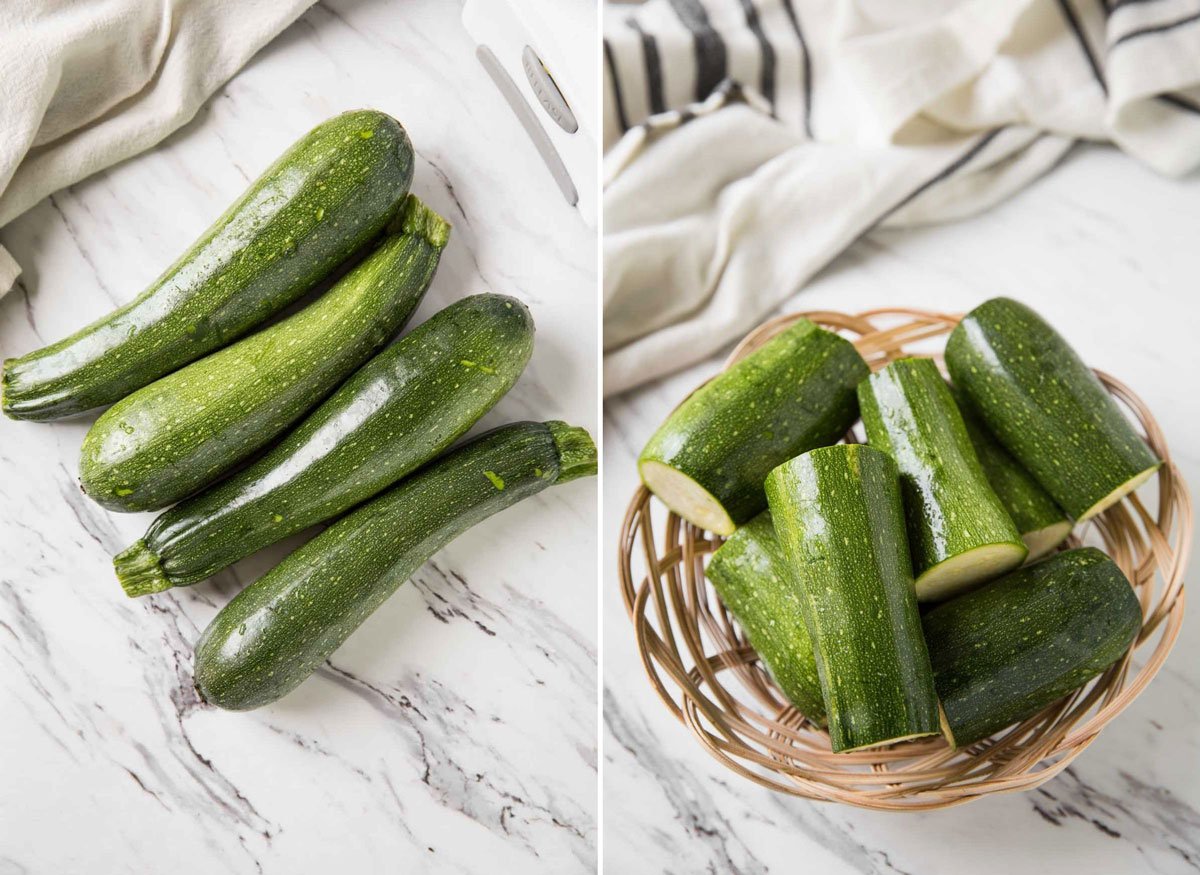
(872, 745)
(686, 497)
(1042, 541)
(967, 570)
(1120, 492)
(944, 723)
(576, 451)
(139, 570)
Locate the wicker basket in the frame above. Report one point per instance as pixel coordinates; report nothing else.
(701, 666)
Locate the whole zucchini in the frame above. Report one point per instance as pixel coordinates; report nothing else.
(959, 533)
(180, 433)
(397, 412)
(282, 627)
(1007, 650)
(327, 196)
(839, 519)
(1041, 522)
(751, 575)
(708, 460)
(1047, 407)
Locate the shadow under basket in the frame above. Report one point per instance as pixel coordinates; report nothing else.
(704, 670)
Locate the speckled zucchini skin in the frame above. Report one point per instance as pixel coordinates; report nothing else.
(1045, 405)
(838, 516)
(278, 630)
(327, 196)
(1029, 506)
(394, 414)
(177, 435)
(950, 506)
(1005, 651)
(793, 394)
(751, 575)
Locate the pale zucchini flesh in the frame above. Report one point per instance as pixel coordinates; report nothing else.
(964, 571)
(686, 497)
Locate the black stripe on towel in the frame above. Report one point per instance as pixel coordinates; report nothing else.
(610, 62)
(654, 72)
(1181, 103)
(767, 74)
(946, 172)
(711, 62)
(1073, 23)
(806, 62)
(1114, 5)
(1156, 28)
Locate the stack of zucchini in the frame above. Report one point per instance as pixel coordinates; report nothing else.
(910, 586)
(260, 435)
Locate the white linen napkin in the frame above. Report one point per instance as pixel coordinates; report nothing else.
(752, 141)
(85, 85)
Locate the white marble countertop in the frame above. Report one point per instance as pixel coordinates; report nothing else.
(456, 730)
(1107, 251)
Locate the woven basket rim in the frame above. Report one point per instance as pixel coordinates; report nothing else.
(710, 678)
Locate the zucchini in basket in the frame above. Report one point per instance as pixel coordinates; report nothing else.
(838, 515)
(1007, 650)
(708, 460)
(1041, 522)
(1047, 407)
(751, 575)
(959, 533)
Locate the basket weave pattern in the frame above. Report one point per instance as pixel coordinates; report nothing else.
(708, 675)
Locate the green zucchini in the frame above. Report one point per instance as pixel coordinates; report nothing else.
(838, 514)
(180, 433)
(1009, 649)
(282, 627)
(327, 196)
(396, 413)
(959, 533)
(751, 575)
(1047, 407)
(1041, 522)
(708, 460)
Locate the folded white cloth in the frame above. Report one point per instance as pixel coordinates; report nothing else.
(85, 85)
(754, 140)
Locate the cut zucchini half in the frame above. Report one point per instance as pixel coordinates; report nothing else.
(965, 571)
(1120, 492)
(686, 497)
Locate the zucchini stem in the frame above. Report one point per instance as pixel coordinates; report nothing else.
(419, 220)
(139, 571)
(576, 451)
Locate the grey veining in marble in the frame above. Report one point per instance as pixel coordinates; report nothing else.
(1106, 250)
(454, 732)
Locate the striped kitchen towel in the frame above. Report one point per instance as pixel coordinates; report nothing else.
(750, 141)
(86, 85)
